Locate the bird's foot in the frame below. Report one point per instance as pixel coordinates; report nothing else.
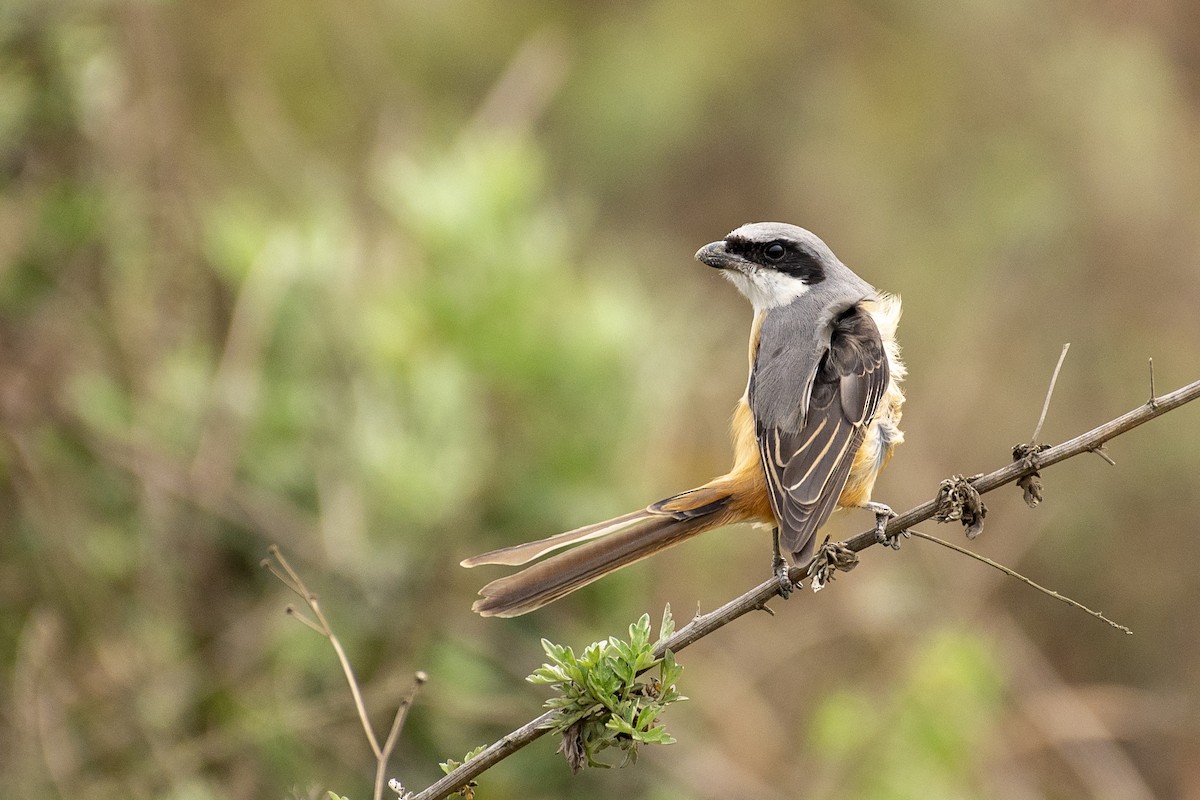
(779, 567)
(883, 513)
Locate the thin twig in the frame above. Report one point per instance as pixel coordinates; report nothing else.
(282, 570)
(1049, 393)
(285, 577)
(297, 615)
(394, 734)
(755, 599)
(296, 584)
(1014, 574)
(359, 705)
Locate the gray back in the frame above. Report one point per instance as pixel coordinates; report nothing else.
(793, 340)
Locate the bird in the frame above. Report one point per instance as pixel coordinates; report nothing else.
(817, 422)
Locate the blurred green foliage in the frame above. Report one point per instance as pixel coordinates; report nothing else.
(927, 740)
(391, 284)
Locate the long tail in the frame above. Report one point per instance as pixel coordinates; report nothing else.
(607, 546)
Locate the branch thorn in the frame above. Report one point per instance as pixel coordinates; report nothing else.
(1153, 401)
(1050, 393)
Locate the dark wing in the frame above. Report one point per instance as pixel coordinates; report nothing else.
(807, 469)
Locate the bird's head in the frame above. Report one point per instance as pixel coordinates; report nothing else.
(771, 263)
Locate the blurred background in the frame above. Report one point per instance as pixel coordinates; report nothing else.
(393, 283)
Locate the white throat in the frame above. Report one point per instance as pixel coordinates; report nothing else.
(767, 288)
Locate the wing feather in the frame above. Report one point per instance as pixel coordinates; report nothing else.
(807, 468)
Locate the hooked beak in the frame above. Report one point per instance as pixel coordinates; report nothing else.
(715, 255)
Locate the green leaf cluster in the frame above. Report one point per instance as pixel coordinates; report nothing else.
(451, 764)
(603, 701)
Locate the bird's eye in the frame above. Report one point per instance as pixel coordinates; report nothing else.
(775, 251)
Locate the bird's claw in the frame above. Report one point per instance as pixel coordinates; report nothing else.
(779, 568)
(883, 514)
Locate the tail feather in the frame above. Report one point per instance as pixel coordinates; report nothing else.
(641, 534)
(528, 551)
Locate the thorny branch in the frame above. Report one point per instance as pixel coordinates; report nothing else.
(756, 599)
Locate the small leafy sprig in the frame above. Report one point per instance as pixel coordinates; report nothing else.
(451, 764)
(601, 702)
